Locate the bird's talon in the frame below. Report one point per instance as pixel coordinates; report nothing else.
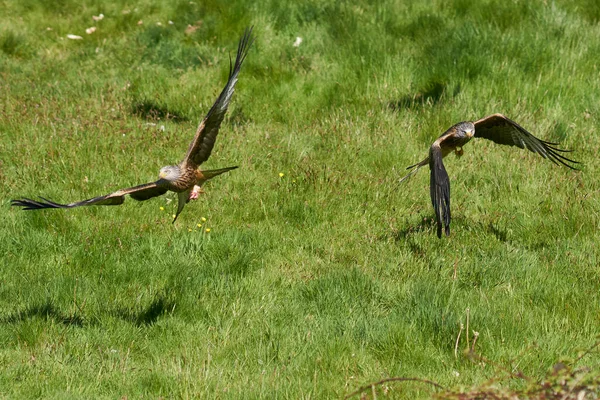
(195, 192)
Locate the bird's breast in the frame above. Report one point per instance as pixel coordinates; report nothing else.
(450, 143)
(186, 180)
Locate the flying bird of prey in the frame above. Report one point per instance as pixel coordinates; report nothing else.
(185, 178)
(496, 128)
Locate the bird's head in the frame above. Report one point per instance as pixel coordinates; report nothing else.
(467, 129)
(170, 173)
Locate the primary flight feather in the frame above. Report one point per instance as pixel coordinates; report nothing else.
(185, 178)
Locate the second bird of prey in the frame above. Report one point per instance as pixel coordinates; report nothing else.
(496, 128)
(186, 178)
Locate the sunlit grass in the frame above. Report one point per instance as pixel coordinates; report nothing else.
(309, 271)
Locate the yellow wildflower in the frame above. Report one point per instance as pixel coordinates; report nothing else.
(281, 174)
(207, 230)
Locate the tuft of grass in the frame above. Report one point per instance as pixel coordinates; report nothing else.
(13, 44)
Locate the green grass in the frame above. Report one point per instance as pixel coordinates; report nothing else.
(312, 284)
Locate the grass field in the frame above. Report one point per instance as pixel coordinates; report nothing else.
(319, 273)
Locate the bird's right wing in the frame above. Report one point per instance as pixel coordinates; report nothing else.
(140, 193)
(439, 187)
(207, 131)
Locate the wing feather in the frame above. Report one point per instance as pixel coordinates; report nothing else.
(439, 186)
(140, 193)
(502, 130)
(207, 131)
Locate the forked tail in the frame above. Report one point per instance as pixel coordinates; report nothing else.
(211, 173)
(414, 168)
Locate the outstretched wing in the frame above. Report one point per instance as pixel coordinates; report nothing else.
(502, 130)
(207, 131)
(439, 187)
(141, 192)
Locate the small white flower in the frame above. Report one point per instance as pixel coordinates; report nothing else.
(91, 30)
(98, 17)
(74, 37)
(171, 22)
(298, 41)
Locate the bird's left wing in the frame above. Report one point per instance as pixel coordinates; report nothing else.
(439, 187)
(140, 193)
(502, 130)
(207, 131)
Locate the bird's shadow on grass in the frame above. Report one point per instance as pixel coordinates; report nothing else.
(149, 110)
(432, 93)
(148, 315)
(500, 233)
(428, 225)
(45, 310)
(407, 234)
(425, 224)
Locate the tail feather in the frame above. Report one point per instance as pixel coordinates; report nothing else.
(211, 173)
(416, 167)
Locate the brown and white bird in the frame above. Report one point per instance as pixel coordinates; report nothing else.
(496, 128)
(184, 178)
